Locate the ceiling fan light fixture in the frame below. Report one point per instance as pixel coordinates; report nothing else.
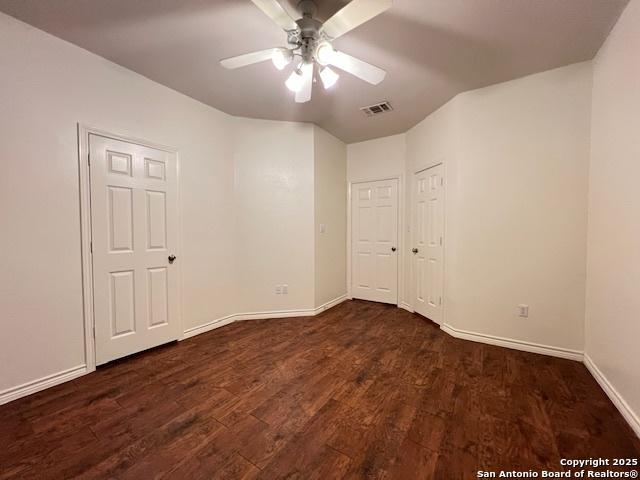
(324, 53)
(310, 39)
(281, 57)
(328, 77)
(294, 82)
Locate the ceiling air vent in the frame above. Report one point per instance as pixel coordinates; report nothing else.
(377, 109)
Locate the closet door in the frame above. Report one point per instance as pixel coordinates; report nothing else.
(428, 242)
(374, 241)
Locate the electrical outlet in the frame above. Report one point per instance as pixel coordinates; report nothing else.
(523, 310)
(278, 289)
(285, 289)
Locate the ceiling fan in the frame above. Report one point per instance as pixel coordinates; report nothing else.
(309, 45)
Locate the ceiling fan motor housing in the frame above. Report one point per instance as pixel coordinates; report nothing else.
(309, 36)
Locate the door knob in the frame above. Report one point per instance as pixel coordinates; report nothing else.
(414, 250)
(393, 249)
(172, 258)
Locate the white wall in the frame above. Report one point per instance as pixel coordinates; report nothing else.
(330, 189)
(376, 159)
(46, 87)
(613, 267)
(522, 154)
(274, 216)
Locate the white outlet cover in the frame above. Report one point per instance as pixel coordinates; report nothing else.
(523, 310)
(323, 228)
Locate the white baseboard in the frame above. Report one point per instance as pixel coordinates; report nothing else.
(217, 323)
(629, 415)
(34, 386)
(236, 317)
(274, 314)
(406, 306)
(515, 344)
(330, 304)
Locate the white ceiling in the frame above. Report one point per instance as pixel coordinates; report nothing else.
(431, 49)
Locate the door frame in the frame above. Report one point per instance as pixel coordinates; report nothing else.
(411, 287)
(84, 178)
(400, 247)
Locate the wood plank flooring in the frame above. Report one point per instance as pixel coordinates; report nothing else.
(362, 391)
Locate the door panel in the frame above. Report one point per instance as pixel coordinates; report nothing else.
(158, 296)
(120, 219)
(156, 225)
(363, 270)
(134, 230)
(386, 223)
(374, 233)
(121, 299)
(385, 271)
(428, 241)
(420, 278)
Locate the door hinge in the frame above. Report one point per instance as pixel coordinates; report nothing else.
(440, 241)
(89, 159)
(439, 300)
(91, 247)
(93, 330)
(441, 180)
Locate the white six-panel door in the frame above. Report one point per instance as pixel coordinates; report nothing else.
(134, 231)
(374, 241)
(428, 238)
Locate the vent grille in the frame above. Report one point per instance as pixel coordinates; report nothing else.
(377, 109)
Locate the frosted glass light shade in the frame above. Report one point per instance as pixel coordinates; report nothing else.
(294, 82)
(281, 57)
(325, 53)
(328, 77)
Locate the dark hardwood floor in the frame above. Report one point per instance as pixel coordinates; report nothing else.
(362, 391)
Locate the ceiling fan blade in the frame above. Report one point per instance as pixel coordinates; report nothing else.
(275, 12)
(247, 59)
(363, 70)
(354, 14)
(304, 94)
